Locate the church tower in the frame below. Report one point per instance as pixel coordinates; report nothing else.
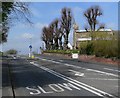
(75, 27)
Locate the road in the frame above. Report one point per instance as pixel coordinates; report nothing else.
(57, 76)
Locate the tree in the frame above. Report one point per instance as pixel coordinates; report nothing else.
(51, 35)
(57, 34)
(47, 37)
(92, 14)
(12, 51)
(10, 11)
(66, 21)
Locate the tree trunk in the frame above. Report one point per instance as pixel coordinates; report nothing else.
(60, 43)
(65, 42)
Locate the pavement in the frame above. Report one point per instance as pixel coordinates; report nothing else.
(57, 76)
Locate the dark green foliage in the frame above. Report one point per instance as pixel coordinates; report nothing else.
(12, 51)
(6, 10)
(1, 53)
(105, 45)
(86, 48)
(89, 48)
(19, 10)
(62, 51)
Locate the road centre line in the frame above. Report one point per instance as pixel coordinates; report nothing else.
(102, 72)
(112, 69)
(75, 82)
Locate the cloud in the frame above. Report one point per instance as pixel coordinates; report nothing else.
(27, 35)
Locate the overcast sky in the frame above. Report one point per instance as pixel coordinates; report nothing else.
(44, 13)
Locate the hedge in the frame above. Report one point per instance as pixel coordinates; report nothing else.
(103, 46)
(62, 51)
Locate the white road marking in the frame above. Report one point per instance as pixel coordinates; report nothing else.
(14, 57)
(72, 65)
(75, 82)
(56, 88)
(112, 69)
(103, 79)
(110, 74)
(69, 86)
(77, 73)
(61, 60)
(45, 92)
(36, 90)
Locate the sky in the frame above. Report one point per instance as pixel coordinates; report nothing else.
(21, 35)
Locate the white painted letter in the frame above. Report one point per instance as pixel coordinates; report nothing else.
(65, 86)
(44, 90)
(68, 85)
(35, 91)
(54, 86)
(71, 85)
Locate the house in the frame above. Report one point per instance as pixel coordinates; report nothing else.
(81, 36)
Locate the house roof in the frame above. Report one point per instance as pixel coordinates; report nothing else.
(81, 31)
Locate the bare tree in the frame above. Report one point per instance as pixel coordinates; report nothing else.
(51, 35)
(57, 34)
(66, 21)
(47, 37)
(92, 14)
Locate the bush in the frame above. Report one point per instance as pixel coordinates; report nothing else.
(106, 48)
(86, 48)
(102, 45)
(12, 51)
(1, 53)
(62, 51)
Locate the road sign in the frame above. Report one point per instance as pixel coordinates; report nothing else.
(75, 55)
(30, 46)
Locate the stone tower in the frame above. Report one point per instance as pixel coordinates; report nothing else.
(75, 27)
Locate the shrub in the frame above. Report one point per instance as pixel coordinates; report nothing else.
(86, 48)
(62, 51)
(102, 45)
(11, 51)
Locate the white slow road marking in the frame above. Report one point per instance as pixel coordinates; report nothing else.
(112, 69)
(75, 82)
(110, 74)
(77, 73)
(53, 88)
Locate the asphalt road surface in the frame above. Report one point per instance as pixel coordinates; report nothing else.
(57, 76)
